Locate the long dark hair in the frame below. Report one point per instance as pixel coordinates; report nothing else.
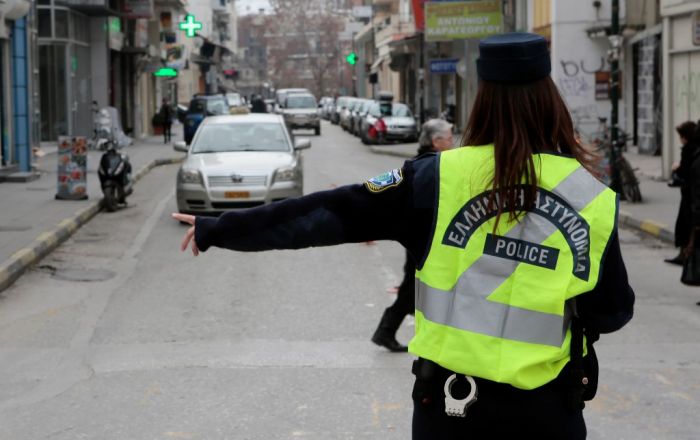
(521, 120)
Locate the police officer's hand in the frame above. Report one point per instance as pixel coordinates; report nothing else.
(189, 235)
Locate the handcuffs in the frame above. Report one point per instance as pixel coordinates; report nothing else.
(454, 407)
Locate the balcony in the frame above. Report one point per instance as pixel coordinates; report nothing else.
(100, 8)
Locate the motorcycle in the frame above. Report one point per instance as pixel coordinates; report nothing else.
(115, 177)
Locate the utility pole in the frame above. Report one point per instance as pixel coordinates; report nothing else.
(614, 56)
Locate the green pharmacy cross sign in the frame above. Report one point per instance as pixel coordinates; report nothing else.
(351, 58)
(167, 72)
(190, 26)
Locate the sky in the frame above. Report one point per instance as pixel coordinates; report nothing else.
(242, 6)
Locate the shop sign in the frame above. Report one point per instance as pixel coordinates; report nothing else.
(138, 8)
(444, 66)
(362, 11)
(141, 32)
(116, 36)
(445, 21)
(175, 56)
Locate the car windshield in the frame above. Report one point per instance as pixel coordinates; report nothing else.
(241, 136)
(213, 106)
(389, 109)
(217, 106)
(301, 101)
(234, 99)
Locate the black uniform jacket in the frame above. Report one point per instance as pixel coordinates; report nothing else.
(404, 213)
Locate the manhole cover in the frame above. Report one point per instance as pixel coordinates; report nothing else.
(14, 228)
(87, 275)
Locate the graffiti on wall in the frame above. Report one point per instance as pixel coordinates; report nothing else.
(577, 86)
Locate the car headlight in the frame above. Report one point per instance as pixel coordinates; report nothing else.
(286, 174)
(189, 175)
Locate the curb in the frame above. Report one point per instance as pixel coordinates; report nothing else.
(13, 268)
(649, 227)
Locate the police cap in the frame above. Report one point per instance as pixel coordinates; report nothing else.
(513, 58)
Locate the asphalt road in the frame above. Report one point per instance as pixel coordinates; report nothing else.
(120, 336)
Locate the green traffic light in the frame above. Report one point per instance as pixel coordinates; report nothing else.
(166, 72)
(351, 58)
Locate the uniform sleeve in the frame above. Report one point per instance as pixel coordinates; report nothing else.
(609, 306)
(379, 209)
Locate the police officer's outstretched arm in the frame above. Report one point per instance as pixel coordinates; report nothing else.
(382, 208)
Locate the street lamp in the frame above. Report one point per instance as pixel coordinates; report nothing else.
(615, 40)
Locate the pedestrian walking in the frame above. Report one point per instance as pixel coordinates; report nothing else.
(436, 136)
(516, 248)
(681, 178)
(257, 105)
(166, 116)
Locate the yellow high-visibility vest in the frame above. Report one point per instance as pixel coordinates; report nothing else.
(493, 304)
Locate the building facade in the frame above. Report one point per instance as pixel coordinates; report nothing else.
(16, 21)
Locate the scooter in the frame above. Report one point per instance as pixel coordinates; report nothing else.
(102, 131)
(115, 177)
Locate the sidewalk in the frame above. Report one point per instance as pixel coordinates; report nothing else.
(33, 222)
(655, 216)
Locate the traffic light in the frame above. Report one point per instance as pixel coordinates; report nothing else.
(351, 58)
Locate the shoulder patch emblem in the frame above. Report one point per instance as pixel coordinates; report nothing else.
(385, 181)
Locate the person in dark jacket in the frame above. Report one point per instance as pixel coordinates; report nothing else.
(166, 117)
(257, 105)
(692, 178)
(436, 136)
(681, 174)
(521, 339)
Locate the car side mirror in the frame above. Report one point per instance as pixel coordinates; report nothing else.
(302, 144)
(180, 146)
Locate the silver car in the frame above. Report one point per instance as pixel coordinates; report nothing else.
(301, 111)
(239, 161)
(395, 120)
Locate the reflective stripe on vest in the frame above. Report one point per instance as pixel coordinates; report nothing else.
(492, 303)
(465, 306)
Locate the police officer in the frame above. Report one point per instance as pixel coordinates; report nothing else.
(516, 248)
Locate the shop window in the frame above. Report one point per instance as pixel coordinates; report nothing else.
(61, 23)
(44, 22)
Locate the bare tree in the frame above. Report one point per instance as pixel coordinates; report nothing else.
(303, 44)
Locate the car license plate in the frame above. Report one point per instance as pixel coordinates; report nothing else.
(237, 194)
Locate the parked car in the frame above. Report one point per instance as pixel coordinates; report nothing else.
(301, 111)
(346, 112)
(239, 161)
(338, 106)
(236, 103)
(200, 107)
(281, 97)
(358, 113)
(323, 106)
(387, 121)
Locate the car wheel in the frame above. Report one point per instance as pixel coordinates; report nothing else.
(317, 130)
